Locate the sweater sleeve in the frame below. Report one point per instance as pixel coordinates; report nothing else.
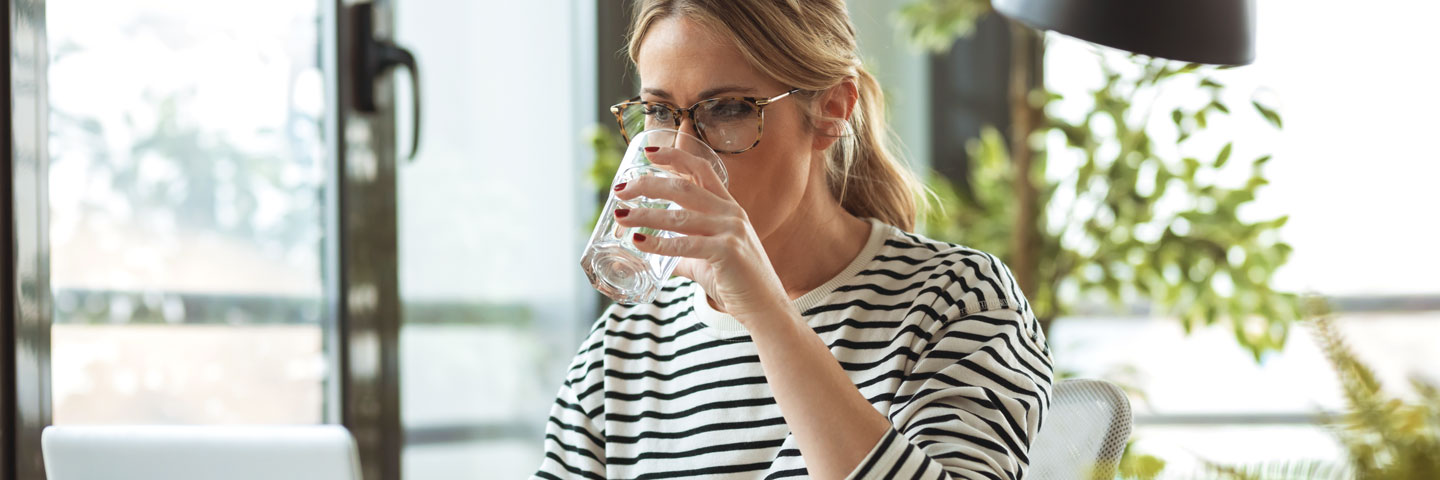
(971, 404)
(575, 432)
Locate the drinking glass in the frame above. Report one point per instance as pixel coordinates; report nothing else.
(612, 263)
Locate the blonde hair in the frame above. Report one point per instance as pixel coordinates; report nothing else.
(810, 45)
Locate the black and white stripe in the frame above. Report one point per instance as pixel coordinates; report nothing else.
(936, 336)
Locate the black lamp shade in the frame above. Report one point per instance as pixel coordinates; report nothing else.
(1219, 32)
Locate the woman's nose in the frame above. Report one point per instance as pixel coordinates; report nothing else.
(687, 125)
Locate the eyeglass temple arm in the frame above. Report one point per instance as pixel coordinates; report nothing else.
(766, 101)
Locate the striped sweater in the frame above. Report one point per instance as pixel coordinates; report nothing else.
(938, 337)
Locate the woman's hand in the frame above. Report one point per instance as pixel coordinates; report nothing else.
(719, 249)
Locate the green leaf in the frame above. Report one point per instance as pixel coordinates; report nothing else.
(1269, 114)
(1162, 180)
(936, 24)
(1140, 466)
(1192, 165)
(1224, 155)
(1076, 136)
(1083, 174)
(1177, 116)
(1278, 222)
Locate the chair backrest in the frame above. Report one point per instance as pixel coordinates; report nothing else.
(1084, 434)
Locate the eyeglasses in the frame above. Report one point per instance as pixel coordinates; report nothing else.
(729, 125)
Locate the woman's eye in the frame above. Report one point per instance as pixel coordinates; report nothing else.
(659, 114)
(731, 111)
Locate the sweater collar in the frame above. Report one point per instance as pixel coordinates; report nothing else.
(723, 325)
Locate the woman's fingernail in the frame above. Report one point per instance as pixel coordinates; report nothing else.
(652, 149)
(621, 212)
(639, 237)
(620, 186)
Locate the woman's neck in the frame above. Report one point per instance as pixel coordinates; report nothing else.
(812, 246)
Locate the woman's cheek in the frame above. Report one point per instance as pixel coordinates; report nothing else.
(746, 191)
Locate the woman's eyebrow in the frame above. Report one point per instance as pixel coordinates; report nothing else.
(711, 93)
(656, 92)
(708, 93)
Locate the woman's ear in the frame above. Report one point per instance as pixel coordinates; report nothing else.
(835, 105)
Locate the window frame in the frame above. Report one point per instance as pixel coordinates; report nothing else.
(365, 256)
(26, 379)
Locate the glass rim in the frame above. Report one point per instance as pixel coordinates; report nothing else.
(718, 163)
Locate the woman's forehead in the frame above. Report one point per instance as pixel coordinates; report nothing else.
(685, 60)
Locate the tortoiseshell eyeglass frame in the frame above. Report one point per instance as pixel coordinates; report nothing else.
(680, 113)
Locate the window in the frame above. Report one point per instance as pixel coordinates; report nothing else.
(186, 212)
(205, 265)
(1353, 167)
(493, 216)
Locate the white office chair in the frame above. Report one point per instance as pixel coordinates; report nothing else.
(1084, 434)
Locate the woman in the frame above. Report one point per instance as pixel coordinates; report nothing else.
(806, 334)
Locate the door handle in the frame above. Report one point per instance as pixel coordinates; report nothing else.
(375, 57)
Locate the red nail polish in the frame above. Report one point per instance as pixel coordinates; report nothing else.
(621, 212)
(639, 237)
(652, 149)
(620, 186)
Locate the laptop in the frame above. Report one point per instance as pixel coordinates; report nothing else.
(316, 452)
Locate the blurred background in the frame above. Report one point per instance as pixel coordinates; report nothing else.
(1191, 222)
